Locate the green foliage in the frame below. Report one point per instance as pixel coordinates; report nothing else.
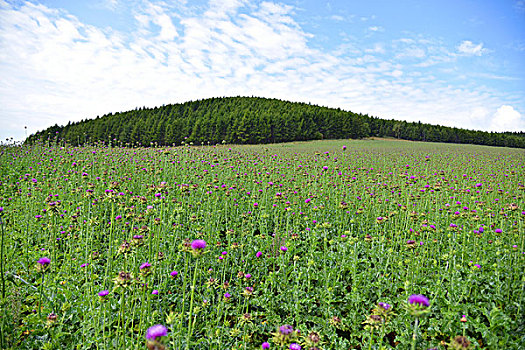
(250, 120)
(373, 221)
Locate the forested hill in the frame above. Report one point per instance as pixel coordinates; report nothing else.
(255, 120)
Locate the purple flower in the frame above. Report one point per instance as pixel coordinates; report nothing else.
(44, 261)
(198, 244)
(258, 254)
(247, 276)
(155, 292)
(146, 265)
(418, 299)
(265, 345)
(295, 346)
(286, 329)
(103, 293)
(227, 295)
(156, 331)
(84, 265)
(174, 273)
(283, 248)
(384, 305)
(498, 230)
(478, 266)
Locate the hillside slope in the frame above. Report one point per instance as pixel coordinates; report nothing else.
(255, 120)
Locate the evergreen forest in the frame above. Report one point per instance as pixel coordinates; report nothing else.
(254, 120)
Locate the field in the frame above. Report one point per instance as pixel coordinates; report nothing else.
(371, 244)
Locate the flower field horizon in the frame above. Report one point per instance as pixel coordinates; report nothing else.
(342, 244)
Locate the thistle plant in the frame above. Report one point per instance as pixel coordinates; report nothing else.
(418, 307)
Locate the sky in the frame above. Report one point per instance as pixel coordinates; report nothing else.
(449, 62)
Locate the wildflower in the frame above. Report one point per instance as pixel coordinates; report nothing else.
(84, 265)
(463, 319)
(286, 329)
(385, 306)
(227, 296)
(145, 268)
(418, 305)
(284, 335)
(153, 334)
(44, 261)
(498, 230)
(174, 273)
(295, 346)
(247, 276)
(197, 247)
(418, 299)
(123, 279)
(103, 294)
(460, 343)
(283, 248)
(259, 254)
(265, 345)
(155, 292)
(312, 340)
(411, 244)
(137, 240)
(43, 264)
(124, 248)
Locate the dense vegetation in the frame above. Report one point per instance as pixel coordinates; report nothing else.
(250, 120)
(358, 245)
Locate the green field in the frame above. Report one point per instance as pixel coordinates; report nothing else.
(313, 235)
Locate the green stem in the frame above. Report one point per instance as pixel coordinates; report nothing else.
(2, 259)
(414, 336)
(191, 303)
(371, 338)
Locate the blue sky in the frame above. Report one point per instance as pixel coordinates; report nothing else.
(456, 63)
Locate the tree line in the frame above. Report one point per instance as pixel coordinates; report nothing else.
(254, 120)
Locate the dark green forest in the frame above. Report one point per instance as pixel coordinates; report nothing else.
(253, 120)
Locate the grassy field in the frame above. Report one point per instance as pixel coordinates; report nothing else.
(370, 244)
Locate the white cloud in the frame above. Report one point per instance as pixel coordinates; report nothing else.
(468, 48)
(375, 29)
(507, 118)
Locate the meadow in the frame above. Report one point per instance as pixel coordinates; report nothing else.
(369, 244)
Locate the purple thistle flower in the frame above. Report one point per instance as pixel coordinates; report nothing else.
(227, 295)
(418, 299)
(283, 248)
(198, 244)
(384, 305)
(265, 345)
(498, 230)
(258, 254)
(103, 293)
(44, 261)
(156, 331)
(174, 273)
(286, 329)
(295, 346)
(155, 292)
(84, 265)
(247, 276)
(146, 265)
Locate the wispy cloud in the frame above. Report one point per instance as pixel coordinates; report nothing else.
(468, 48)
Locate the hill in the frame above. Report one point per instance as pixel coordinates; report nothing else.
(253, 120)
